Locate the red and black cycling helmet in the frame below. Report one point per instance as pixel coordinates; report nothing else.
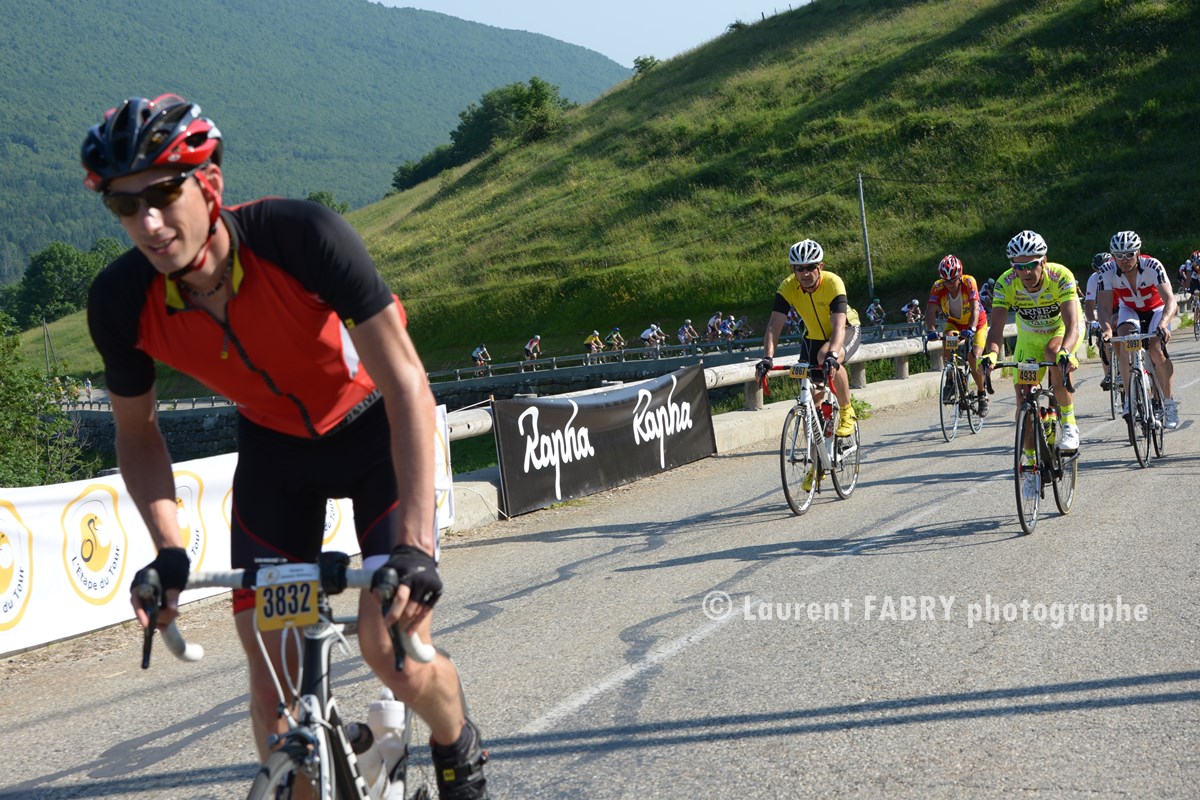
(950, 268)
(140, 134)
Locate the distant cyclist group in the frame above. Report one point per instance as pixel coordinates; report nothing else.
(719, 328)
(1128, 294)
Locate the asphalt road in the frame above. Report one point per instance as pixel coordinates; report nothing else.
(597, 668)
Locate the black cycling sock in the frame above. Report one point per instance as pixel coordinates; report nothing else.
(458, 752)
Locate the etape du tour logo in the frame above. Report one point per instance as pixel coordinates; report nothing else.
(16, 565)
(333, 521)
(189, 490)
(94, 544)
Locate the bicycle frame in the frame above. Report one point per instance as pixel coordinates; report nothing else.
(316, 738)
(1141, 391)
(956, 372)
(1048, 463)
(806, 401)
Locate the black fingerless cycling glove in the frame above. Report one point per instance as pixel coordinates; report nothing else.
(172, 566)
(418, 571)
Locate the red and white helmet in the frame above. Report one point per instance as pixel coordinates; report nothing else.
(950, 268)
(140, 134)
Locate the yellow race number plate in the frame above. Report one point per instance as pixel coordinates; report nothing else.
(1133, 345)
(798, 371)
(286, 596)
(1027, 373)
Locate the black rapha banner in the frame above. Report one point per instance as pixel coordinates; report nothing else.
(555, 448)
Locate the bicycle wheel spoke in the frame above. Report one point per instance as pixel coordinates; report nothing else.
(845, 469)
(1138, 433)
(1065, 477)
(1027, 469)
(798, 460)
(948, 411)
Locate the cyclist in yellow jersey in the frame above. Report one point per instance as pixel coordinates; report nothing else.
(831, 334)
(1049, 321)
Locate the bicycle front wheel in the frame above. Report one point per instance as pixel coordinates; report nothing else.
(1027, 470)
(1139, 428)
(282, 775)
(846, 455)
(1158, 427)
(798, 460)
(948, 404)
(974, 421)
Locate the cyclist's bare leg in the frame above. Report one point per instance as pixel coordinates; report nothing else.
(976, 369)
(264, 700)
(1164, 370)
(1119, 350)
(430, 690)
(1061, 395)
(1022, 393)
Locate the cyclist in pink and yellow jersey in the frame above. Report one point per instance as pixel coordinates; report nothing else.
(957, 295)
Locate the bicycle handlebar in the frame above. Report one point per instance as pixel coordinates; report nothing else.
(988, 366)
(406, 642)
(1130, 337)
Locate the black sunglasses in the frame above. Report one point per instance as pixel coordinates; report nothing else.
(156, 195)
(1027, 266)
(805, 267)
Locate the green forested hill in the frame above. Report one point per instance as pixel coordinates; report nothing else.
(311, 94)
(678, 194)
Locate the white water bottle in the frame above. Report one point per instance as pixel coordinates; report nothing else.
(385, 718)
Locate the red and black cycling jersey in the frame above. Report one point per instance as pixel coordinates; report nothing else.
(301, 277)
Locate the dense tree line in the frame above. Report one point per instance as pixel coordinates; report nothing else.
(56, 282)
(39, 445)
(526, 112)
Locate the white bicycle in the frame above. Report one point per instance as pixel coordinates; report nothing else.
(319, 749)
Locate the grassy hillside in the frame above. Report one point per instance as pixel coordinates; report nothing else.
(311, 94)
(679, 193)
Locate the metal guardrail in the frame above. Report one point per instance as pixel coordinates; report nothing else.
(626, 355)
(178, 404)
(478, 421)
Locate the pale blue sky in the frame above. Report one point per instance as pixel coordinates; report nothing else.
(620, 29)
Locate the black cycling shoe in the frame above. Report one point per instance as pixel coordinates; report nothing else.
(1106, 384)
(463, 781)
(948, 396)
(982, 409)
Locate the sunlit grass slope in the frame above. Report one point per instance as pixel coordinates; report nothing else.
(678, 193)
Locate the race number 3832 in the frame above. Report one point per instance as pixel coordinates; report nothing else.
(286, 596)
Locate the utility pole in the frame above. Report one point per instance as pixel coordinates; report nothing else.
(862, 210)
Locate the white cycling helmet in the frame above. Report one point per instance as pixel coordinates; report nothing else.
(806, 252)
(1026, 243)
(687, 322)
(1125, 242)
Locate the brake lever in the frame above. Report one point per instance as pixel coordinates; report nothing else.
(151, 594)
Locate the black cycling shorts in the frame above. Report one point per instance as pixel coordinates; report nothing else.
(282, 484)
(811, 348)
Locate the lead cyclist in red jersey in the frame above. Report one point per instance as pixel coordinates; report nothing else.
(278, 306)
